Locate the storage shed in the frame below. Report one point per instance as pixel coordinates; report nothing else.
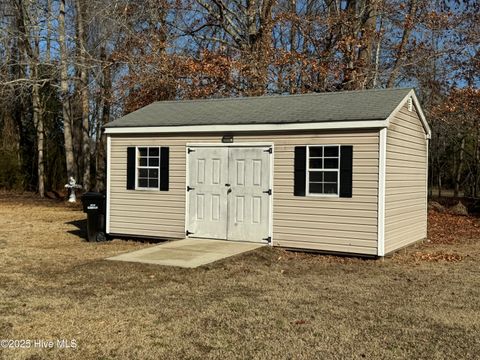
(342, 172)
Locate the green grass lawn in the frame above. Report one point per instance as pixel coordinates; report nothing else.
(422, 303)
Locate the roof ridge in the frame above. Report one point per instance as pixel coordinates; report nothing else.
(270, 96)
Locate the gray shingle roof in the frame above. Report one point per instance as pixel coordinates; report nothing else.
(376, 104)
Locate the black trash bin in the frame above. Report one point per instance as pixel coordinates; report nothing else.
(94, 207)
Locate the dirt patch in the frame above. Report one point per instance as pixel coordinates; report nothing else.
(270, 303)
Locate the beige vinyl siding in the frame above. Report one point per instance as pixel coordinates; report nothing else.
(405, 182)
(317, 223)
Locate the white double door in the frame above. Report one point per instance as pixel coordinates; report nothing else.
(229, 193)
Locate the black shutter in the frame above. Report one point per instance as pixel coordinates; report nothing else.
(164, 168)
(131, 159)
(346, 156)
(300, 174)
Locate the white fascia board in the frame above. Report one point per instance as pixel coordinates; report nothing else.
(337, 125)
(418, 107)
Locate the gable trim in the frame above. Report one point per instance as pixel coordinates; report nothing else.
(418, 108)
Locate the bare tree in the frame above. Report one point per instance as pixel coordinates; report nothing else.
(84, 93)
(67, 121)
(248, 24)
(29, 32)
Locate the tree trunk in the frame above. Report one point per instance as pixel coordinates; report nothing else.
(477, 163)
(346, 30)
(84, 95)
(38, 114)
(407, 29)
(101, 151)
(49, 31)
(459, 169)
(293, 36)
(377, 56)
(367, 26)
(438, 164)
(67, 122)
(439, 184)
(257, 51)
(38, 122)
(33, 57)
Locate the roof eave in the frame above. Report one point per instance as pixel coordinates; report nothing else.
(324, 125)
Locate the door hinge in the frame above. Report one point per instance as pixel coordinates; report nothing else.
(269, 192)
(190, 188)
(268, 239)
(188, 233)
(269, 150)
(190, 150)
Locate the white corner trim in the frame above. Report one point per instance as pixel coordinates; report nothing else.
(249, 127)
(270, 209)
(427, 142)
(109, 162)
(187, 182)
(381, 192)
(418, 107)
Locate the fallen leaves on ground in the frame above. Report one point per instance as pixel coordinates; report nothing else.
(289, 255)
(444, 228)
(436, 256)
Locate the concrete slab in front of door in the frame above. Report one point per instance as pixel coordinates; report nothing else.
(188, 253)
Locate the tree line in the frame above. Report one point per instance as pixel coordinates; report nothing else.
(67, 67)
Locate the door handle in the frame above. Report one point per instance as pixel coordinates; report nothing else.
(227, 185)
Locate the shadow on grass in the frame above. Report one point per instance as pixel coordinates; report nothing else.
(81, 228)
(140, 239)
(81, 232)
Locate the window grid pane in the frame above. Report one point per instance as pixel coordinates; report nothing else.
(148, 170)
(323, 165)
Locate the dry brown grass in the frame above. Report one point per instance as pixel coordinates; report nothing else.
(266, 304)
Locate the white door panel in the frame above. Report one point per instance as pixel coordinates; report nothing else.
(248, 200)
(228, 193)
(207, 213)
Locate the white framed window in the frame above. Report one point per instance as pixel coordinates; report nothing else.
(323, 170)
(148, 168)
